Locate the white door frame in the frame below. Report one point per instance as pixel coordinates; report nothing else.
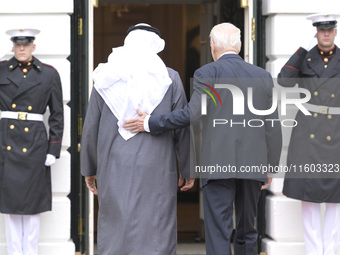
(249, 23)
(90, 219)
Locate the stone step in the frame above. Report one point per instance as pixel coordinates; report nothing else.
(182, 249)
(190, 249)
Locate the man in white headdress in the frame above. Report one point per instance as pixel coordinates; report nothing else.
(136, 174)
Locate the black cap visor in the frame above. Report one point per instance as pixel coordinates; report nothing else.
(22, 39)
(325, 24)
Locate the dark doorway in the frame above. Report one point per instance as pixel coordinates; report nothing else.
(185, 29)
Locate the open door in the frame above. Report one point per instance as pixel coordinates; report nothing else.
(81, 62)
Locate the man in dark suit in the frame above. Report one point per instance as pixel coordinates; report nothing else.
(233, 137)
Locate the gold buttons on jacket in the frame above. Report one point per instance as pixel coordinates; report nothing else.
(24, 150)
(315, 115)
(309, 59)
(9, 148)
(326, 60)
(29, 108)
(328, 138)
(316, 93)
(24, 70)
(325, 66)
(333, 95)
(26, 129)
(312, 136)
(10, 67)
(329, 116)
(11, 127)
(14, 105)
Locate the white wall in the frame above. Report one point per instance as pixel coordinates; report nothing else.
(286, 29)
(53, 47)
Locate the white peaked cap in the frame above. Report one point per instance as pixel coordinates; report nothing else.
(324, 20)
(22, 35)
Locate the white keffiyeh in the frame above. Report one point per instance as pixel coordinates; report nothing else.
(134, 77)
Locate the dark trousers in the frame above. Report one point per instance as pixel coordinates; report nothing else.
(219, 197)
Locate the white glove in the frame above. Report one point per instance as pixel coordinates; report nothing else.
(50, 160)
(309, 43)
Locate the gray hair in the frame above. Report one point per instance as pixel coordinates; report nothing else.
(226, 36)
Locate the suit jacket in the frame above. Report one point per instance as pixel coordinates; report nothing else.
(241, 148)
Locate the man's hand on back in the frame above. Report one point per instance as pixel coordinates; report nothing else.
(136, 125)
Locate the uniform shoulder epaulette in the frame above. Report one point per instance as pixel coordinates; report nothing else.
(49, 66)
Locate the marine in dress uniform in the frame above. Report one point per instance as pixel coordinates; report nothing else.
(27, 88)
(314, 147)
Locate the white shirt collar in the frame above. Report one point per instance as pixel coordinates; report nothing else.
(228, 52)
